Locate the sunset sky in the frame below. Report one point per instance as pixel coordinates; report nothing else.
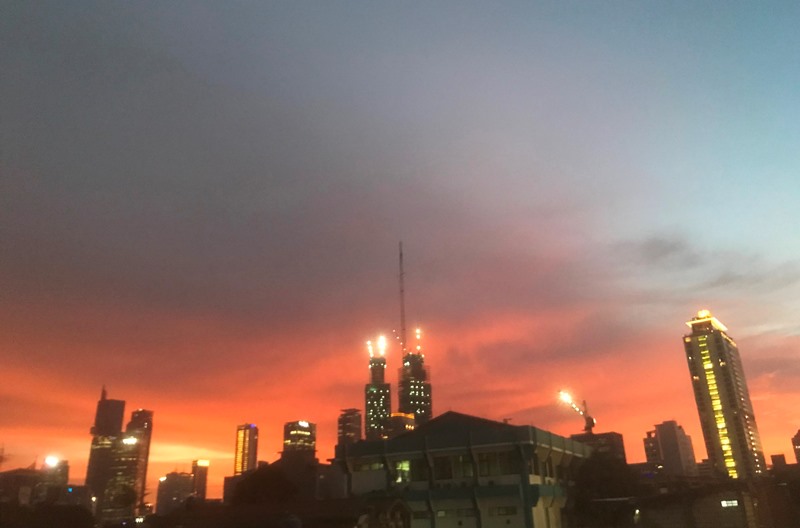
(201, 202)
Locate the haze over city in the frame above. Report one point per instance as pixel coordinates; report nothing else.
(200, 206)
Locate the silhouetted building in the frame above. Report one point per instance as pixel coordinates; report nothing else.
(377, 394)
(723, 401)
(300, 437)
(609, 444)
(246, 455)
(778, 461)
(349, 426)
(796, 446)
(400, 423)
(460, 470)
(200, 478)
(173, 490)
(106, 430)
(55, 471)
(141, 428)
(671, 448)
(414, 388)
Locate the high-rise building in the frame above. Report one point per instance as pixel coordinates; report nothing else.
(246, 455)
(141, 428)
(670, 447)
(200, 478)
(723, 401)
(349, 426)
(106, 430)
(400, 423)
(173, 490)
(377, 393)
(125, 491)
(796, 446)
(300, 437)
(413, 387)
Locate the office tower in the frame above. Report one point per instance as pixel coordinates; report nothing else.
(199, 478)
(349, 426)
(125, 491)
(55, 472)
(106, 430)
(246, 449)
(723, 401)
(414, 388)
(796, 446)
(670, 447)
(173, 490)
(300, 437)
(377, 393)
(141, 428)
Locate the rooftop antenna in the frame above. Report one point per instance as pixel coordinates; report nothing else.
(402, 303)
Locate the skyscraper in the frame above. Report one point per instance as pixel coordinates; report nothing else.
(300, 437)
(796, 446)
(200, 478)
(723, 401)
(106, 430)
(377, 394)
(349, 426)
(173, 490)
(246, 456)
(125, 491)
(670, 447)
(413, 387)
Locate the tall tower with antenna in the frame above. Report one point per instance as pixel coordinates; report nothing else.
(414, 387)
(377, 394)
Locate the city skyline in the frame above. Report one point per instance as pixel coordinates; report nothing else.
(201, 206)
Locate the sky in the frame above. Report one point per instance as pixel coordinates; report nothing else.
(201, 205)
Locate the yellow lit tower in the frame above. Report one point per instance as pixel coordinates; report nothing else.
(246, 454)
(723, 401)
(377, 394)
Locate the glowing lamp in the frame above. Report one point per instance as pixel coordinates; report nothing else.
(51, 461)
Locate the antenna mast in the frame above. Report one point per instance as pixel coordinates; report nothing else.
(402, 303)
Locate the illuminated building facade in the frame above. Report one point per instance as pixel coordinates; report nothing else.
(400, 423)
(106, 430)
(414, 388)
(349, 430)
(723, 401)
(377, 394)
(669, 447)
(246, 455)
(199, 478)
(300, 437)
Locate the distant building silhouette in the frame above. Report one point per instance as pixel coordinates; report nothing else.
(723, 401)
(669, 447)
(200, 478)
(400, 423)
(246, 455)
(610, 444)
(796, 446)
(377, 394)
(106, 430)
(124, 495)
(173, 490)
(349, 426)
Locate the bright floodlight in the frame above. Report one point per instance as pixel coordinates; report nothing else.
(51, 461)
(203, 463)
(129, 440)
(565, 397)
(369, 347)
(382, 345)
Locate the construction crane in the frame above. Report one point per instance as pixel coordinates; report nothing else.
(589, 422)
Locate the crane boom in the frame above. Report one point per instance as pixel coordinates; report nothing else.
(588, 421)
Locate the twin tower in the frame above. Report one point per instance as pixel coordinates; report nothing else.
(414, 392)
